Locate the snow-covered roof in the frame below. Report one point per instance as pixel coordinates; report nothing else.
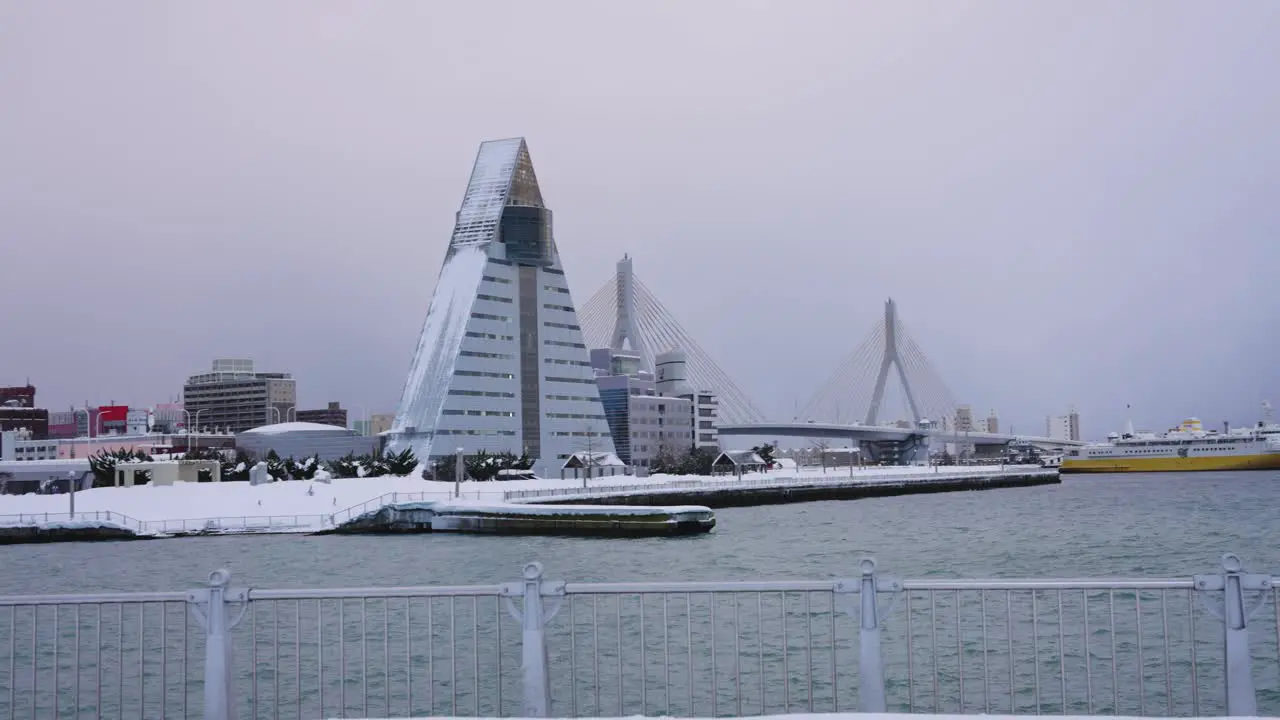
(295, 427)
(66, 464)
(600, 459)
(740, 457)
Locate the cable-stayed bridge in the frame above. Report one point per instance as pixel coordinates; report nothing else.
(858, 385)
(625, 315)
(852, 403)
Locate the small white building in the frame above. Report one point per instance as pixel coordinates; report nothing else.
(593, 464)
(167, 472)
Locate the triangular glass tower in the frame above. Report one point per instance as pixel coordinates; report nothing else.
(501, 365)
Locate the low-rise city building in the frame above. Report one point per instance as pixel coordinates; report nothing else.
(236, 398)
(1063, 427)
(643, 422)
(334, 415)
(34, 420)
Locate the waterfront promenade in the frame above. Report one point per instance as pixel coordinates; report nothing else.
(1196, 644)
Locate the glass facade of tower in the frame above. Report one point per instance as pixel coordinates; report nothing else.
(526, 231)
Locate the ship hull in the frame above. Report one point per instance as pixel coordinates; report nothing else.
(1267, 461)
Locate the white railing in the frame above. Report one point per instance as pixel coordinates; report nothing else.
(1201, 645)
(395, 498)
(242, 523)
(378, 503)
(45, 518)
(859, 478)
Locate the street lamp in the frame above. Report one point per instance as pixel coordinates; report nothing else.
(291, 409)
(457, 475)
(275, 410)
(187, 427)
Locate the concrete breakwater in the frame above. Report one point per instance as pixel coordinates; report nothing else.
(66, 532)
(597, 521)
(793, 491)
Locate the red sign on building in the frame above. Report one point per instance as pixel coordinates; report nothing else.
(112, 418)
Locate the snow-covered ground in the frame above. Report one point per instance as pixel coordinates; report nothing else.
(308, 505)
(918, 716)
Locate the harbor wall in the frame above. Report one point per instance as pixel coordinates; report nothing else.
(713, 497)
(530, 520)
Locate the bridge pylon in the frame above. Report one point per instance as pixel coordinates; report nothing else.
(859, 385)
(624, 314)
(892, 358)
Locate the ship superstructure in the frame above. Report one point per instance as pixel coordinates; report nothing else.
(1188, 447)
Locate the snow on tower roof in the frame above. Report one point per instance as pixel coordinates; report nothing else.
(503, 171)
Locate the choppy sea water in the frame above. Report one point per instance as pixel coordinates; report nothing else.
(723, 654)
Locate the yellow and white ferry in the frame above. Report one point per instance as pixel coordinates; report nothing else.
(1188, 447)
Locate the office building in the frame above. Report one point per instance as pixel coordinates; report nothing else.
(234, 397)
(22, 396)
(334, 414)
(34, 420)
(380, 423)
(501, 364)
(671, 369)
(62, 424)
(377, 424)
(1063, 427)
(644, 422)
(169, 418)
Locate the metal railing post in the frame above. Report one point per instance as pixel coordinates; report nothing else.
(1235, 611)
(210, 608)
(533, 618)
(1241, 698)
(871, 695)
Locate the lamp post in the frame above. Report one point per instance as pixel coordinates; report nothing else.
(187, 427)
(71, 478)
(275, 410)
(457, 475)
(291, 409)
(198, 418)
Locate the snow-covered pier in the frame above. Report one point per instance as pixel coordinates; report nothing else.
(36, 530)
(792, 488)
(511, 519)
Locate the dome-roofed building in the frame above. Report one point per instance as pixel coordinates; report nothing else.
(303, 439)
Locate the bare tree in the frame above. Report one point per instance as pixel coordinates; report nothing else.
(820, 447)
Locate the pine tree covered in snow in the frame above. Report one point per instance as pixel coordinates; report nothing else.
(305, 469)
(103, 464)
(277, 467)
(374, 465)
(236, 469)
(347, 466)
(401, 463)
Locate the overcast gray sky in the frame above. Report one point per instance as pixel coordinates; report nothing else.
(1072, 202)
